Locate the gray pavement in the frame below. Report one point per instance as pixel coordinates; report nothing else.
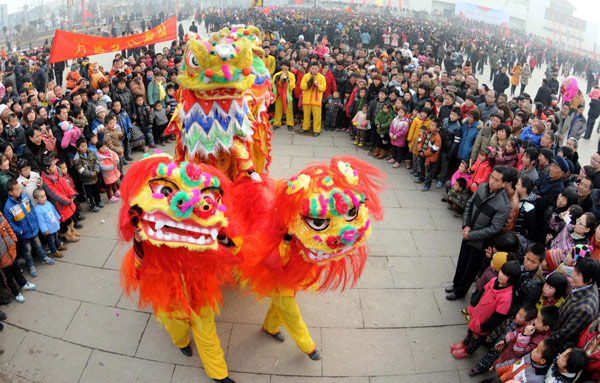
(394, 327)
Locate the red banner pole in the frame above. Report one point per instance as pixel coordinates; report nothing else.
(83, 11)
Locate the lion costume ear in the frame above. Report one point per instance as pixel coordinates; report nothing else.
(255, 31)
(363, 178)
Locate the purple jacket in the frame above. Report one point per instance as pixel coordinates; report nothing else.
(399, 130)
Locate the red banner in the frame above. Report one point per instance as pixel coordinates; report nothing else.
(67, 45)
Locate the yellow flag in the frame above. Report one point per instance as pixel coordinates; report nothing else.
(379, 3)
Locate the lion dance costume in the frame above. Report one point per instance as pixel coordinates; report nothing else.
(312, 237)
(211, 215)
(177, 262)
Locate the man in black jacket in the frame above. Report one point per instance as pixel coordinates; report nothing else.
(484, 216)
(501, 81)
(59, 68)
(544, 94)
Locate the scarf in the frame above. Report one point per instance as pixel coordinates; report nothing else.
(161, 91)
(281, 91)
(559, 377)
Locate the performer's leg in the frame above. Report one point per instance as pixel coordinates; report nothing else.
(278, 112)
(292, 320)
(289, 114)
(178, 329)
(207, 341)
(306, 122)
(273, 320)
(316, 110)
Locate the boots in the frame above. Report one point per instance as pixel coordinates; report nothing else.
(407, 163)
(375, 152)
(382, 154)
(69, 236)
(73, 230)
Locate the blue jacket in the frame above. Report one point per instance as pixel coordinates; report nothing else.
(47, 217)
(124, 122)
(98, 128)
(527, 134)
(21, 217)
(469, 134)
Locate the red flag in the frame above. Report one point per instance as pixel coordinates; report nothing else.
(299, 2)
(549, 44)
(68, 45)
(87, 13)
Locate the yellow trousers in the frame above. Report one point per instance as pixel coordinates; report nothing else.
(289, 114)
(316, 114)
(205, 334)
(284, 310)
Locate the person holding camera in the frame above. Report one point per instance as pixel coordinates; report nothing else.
(284, 83)
(313, 85)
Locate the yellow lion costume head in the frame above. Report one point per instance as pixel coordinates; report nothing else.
(316, 229)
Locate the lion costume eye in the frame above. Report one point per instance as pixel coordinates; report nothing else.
(351, 214)
(162, 186)
(192, 61)
(317, 224)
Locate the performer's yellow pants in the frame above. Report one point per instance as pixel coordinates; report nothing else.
(284, 310)
(289, 114)
(316, 114)
(205, 334)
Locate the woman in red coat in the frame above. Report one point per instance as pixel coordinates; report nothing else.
(589, 341)
(61, 195)
(330, 80)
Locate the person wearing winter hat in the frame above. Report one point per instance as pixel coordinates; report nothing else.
(97, 127)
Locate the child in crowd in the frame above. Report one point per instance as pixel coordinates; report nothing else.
(504, 335)
(64, 198)
(567, 367)
(160, 123)
(481, 170)
(534, 132)
(28, 180)
(362, 126)
(528, 160)
(79, 120)
(398, 132)
(10, 269)
(98, 126)
(554, 291)
(428, 151)
(71, 134)
(92, 144)
(490, 311)
(23, 221)
(421, 120)
(144, 119)
(526, 220)
(572, 234)
(532, 368)
(113, 139)
(458, 196)
(49, 222)
(383, 120)
(86, 165)
(109, 162)
(332, 105)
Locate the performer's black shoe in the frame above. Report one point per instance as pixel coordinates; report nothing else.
(278, 337)
(187, 350)
(226, 380)
(316, 355)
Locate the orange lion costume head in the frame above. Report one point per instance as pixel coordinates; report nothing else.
(316, 229)
(179, 211)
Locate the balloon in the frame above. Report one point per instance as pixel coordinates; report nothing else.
(569, 88)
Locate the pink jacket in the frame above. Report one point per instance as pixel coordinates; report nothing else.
(458, 175)
(109, 165)
(399, 129)
(70, 137)
(518, 345)
(491, 301)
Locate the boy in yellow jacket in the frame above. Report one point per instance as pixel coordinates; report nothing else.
(284, 83)
(313, 85)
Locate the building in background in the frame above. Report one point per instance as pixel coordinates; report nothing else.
(552, 19)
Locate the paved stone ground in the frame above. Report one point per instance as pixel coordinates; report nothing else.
(395, 326)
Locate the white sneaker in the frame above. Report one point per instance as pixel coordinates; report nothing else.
(20, 298)
(28, 286)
